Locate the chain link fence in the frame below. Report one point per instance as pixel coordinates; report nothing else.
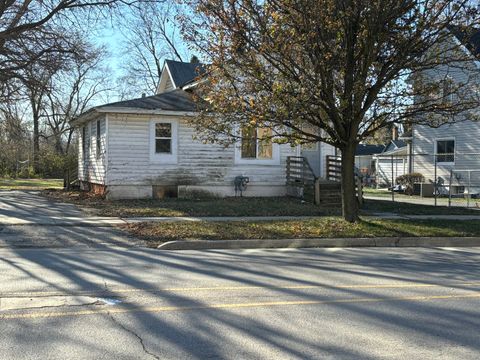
(446, 179)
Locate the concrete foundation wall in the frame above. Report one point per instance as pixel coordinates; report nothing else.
(185, 191)
(129, 192)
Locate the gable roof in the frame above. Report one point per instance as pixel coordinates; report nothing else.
(394, 145)
(183, 73)
(173, 101)
(469, 37)
(367, 149)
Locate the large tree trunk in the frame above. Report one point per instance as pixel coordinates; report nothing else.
(349, 196)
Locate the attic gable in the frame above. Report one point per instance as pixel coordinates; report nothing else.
(468, 37)
(176, 74)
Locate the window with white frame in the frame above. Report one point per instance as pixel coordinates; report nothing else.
(164, 141)
(257, 143)
(445, 150)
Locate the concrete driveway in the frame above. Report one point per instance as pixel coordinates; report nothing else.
(30, 220)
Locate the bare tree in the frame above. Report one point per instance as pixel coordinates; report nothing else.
(15, 140)
(72, 92)
(29, 29)
(151, 35)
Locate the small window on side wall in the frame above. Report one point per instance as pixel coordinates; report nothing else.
(98, 139)
(84, 142)
(163, 141)
(445, 151)
(163, 138)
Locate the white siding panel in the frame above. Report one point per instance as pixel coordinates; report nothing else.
(198, 164)
(467, 148)
(92, 167)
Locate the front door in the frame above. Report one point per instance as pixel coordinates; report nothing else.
(311, 152)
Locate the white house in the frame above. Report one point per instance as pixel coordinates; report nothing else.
(391, 163)
(453, 146)
(144, 148)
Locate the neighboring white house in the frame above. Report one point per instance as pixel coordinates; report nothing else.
(455, 146)
(391, 163)
(145, 147)
(364, 158)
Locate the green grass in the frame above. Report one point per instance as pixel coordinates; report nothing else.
(403, 208)
(327, 227)
(377, 192)
(30, 184)
(281, 206)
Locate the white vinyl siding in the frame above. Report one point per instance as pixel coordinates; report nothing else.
(91, 162)
(130, 161)
(467, 148)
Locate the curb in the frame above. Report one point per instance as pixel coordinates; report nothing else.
(322, 243)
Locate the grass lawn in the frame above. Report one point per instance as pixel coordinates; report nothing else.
(327, 227)
(377, 192)
(30, 184)
(193, 207)
(375, 206)
(234, 206)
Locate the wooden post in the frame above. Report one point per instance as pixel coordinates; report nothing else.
(393, 181)
(450, 189)
(359, 191)
(435, 188)
(468, 194)
(317, 192)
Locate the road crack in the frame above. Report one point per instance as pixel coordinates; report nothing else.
(130, 331)
(63, 305)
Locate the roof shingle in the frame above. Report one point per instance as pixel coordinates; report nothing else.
(176, 100)
(183, 72)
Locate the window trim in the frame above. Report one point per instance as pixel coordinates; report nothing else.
(436, 151)
(84, 142)
(164, 158)
(98, 139)
(275, 160)
(447, 84)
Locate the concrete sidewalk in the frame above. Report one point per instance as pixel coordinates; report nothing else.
(62, 221)
(112, 221)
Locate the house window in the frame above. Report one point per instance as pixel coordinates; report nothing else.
(164, 141)
(445, 151)
(98, 139)
(257, 143)
(163, 138)
(84, 142)
(448, 90)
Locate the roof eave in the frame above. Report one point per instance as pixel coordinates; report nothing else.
(85, 117)
(128, 110)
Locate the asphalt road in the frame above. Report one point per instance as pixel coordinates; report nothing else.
(30, 220)
(133, 303)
